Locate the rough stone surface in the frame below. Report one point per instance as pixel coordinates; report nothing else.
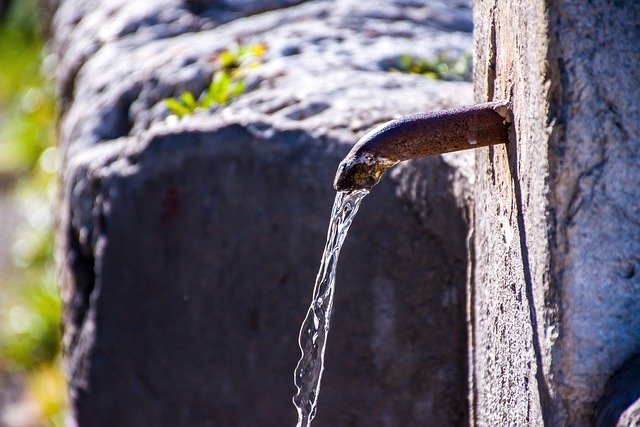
(189, 247)
(596, 197)
(510, 238)
(555, 302)
(620, 404)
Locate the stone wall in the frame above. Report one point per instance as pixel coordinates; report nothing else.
(188, 248)
(555, 299)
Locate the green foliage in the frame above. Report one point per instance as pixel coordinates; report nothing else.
(27, 104)
(445, 66)
(222, 89)
(45, 384)
(30, 308)
(227, 82)
(186, 104)
(240, 58)
(30, 332)
(32, 323)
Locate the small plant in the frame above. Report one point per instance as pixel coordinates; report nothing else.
(241, 57)
(227, 82)
(445, 66)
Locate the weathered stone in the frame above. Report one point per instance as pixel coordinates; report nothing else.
(556, 301)
(190, 246)
(620, 404)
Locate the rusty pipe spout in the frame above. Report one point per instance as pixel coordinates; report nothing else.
(422, 135)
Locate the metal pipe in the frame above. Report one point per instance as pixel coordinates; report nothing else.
(422, 135)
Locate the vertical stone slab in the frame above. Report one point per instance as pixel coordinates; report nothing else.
(555, 298)
(510, 268)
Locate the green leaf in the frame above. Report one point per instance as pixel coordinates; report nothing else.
(237, 89)
(226, 82)
(189, 101)
(229, 60)
(177, 107)
(219, 88)
(406, 62)
(207, 99)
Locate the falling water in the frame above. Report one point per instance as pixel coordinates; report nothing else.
(313, 334)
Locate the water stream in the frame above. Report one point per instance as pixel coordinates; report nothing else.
(314, 330)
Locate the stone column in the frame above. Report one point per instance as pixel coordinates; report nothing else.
(555, 295)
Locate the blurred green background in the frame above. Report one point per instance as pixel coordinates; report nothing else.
(32, 386)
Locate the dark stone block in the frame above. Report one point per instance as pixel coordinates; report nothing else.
(189, 247)
(206, 244)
